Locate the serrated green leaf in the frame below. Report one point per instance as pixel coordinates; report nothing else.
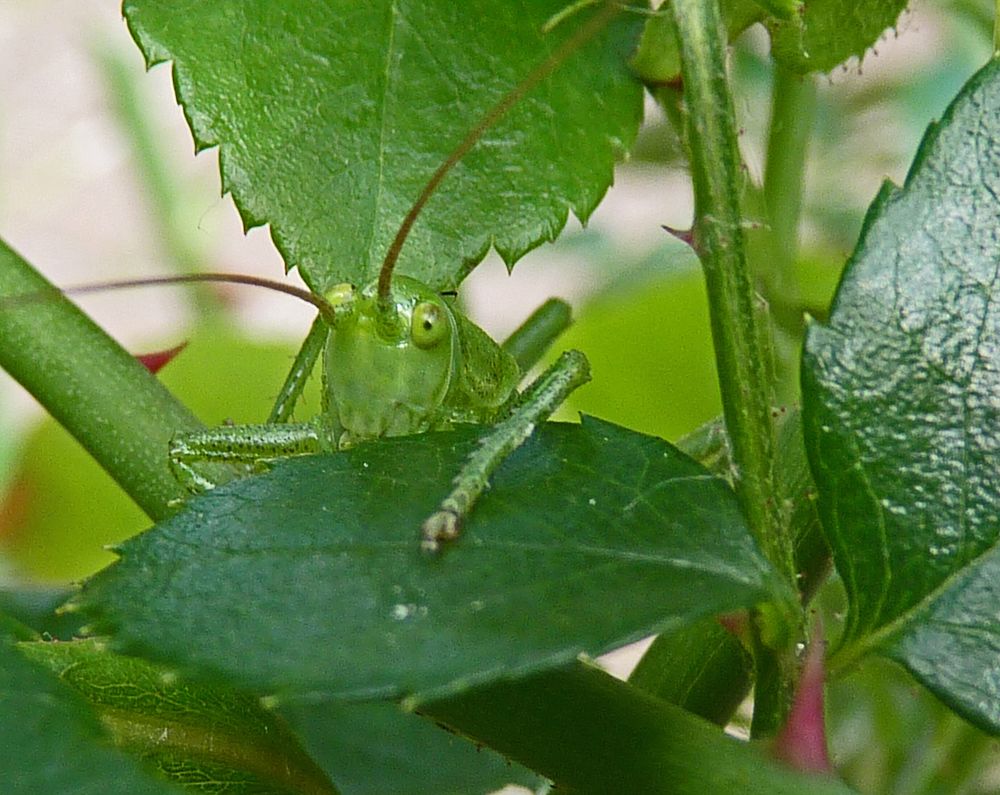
(902, 419)
(331, 117)
(826, 33)
(375, 748)
(314, 575)
(209, 738)
(52, 743)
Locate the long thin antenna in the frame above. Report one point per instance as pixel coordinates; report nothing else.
(325, 307)
(509, 100)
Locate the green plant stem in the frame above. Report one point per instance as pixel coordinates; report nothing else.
(591, 733)
(741, 356)
(113, 406)
(792, 112)
(718, 235)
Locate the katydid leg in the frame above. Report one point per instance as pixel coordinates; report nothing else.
(533, 337)
(570, 371)
(302, 368)
(242, 444)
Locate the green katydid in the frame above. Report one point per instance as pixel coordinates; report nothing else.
(399, 359)
(423, 366)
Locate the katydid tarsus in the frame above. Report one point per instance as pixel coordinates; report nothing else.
(399, 358)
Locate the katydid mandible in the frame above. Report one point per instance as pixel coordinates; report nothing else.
(398, 359)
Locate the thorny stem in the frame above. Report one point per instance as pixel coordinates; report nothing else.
(740, 354)
(95, 389)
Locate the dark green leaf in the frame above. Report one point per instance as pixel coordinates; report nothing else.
(331, 116)
(702, 668)
(212, 739)
(902, 416)
(310, 577)
(374, 749)
(827, 32)
(52, 743)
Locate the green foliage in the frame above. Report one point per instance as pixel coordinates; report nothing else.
(901, 414)
(703, 668)
(579, 517)
(43, 724)
(333, 148)
(285, 633)
(828, 32)
(165, 722)
(630, 333)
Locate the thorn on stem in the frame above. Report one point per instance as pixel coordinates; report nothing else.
(156, 361)
(684, 235)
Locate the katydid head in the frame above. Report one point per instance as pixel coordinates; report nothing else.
(389, 367)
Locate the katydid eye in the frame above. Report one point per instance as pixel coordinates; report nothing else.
(428, 325)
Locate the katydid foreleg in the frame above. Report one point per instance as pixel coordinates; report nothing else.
(244, 444)
(340, 303)
(302, 367)
(570, 371)
(533, 337)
